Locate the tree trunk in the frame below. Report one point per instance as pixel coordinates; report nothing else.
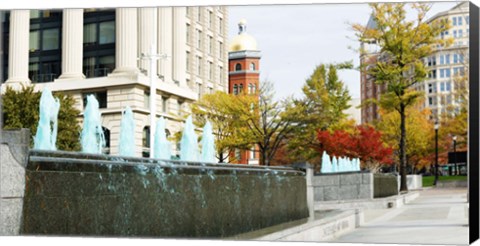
(403, 152)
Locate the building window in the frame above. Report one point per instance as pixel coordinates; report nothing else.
(106, 136)
(238, 155)
(146, 137)
(235, 89)
(188, 33)
(220, 49)
(459, 20)
(199, 39)
(199, 16)
(107, 32)
(210, 70)
(449, 86)
(240, 88)
(432, 88)
(210, 19)
(101, 97)
(180, 107)
(220, 25)
(89, 34)
(210, 45)
(442, 86)
(164, 104)
(238, 67)
(199, 90)
(252, 66)
(146, 99)
(430, 101)
(199, 65)
(454, 21)
(188, 61)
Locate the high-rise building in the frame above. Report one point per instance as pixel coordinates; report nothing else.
(244, 77)
(445, 66)
(105, 52)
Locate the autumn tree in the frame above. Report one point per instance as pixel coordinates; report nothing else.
(221, 110)
(265, 119)
(364, 143)
(325, 98)
(403, 46)
(21, 110)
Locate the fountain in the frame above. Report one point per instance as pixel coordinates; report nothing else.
(46, 136)
(126, 146)
(162, 145)
(189, 143)
(154, 198)
(208, 144)
(92, 138)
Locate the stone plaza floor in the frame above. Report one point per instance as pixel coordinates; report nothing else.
(437, 216)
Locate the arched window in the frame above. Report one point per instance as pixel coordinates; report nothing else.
(238, 67)
(254, 88)
(240, 88)
(235, 89)
(106, 135)
(252, 66)
(250, 88)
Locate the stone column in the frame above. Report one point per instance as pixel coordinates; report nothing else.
(147, 30)
(18, 47)
(310, 192)
(179, 45)
(72, 44)
(126, 41)
(165, 31)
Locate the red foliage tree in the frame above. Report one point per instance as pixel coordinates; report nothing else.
(365, 144)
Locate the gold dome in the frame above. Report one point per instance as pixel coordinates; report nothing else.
(243, 41)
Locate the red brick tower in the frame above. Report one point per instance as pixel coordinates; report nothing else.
(244, 77)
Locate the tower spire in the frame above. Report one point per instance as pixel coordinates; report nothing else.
(242, 26)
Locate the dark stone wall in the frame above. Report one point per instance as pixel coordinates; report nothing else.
(343, 186)
(133, 197)
(384, 185)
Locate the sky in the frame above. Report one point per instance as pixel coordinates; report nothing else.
(294, 39)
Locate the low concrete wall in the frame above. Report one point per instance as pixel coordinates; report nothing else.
(414, 182)
(343, 186)
(95, 195)
(13, 153)
(452, 184)
(385, 185)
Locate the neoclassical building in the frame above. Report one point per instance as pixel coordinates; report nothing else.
(101, 52)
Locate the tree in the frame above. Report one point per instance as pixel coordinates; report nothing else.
(219, 108)
(403, 44)
(325, 97)
(265, 119)
(364, 143)
(21, 110)
(419, 137)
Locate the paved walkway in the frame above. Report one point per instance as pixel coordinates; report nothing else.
(437, 216)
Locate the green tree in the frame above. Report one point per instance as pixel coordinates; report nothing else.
(325, 97)
(21, 110)
(403, 44)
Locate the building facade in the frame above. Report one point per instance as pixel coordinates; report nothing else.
(446, 67)
(104, 52)
(244, 77)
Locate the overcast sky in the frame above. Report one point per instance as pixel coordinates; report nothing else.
(294, 39)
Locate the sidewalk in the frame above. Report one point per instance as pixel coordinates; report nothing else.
(437, 216)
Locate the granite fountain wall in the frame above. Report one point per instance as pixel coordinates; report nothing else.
(78, 194)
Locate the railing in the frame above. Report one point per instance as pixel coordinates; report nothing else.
(97, 72)
(47, 77)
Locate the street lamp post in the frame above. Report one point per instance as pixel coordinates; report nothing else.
(455, 154)
(153, 57)
(436, 126)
